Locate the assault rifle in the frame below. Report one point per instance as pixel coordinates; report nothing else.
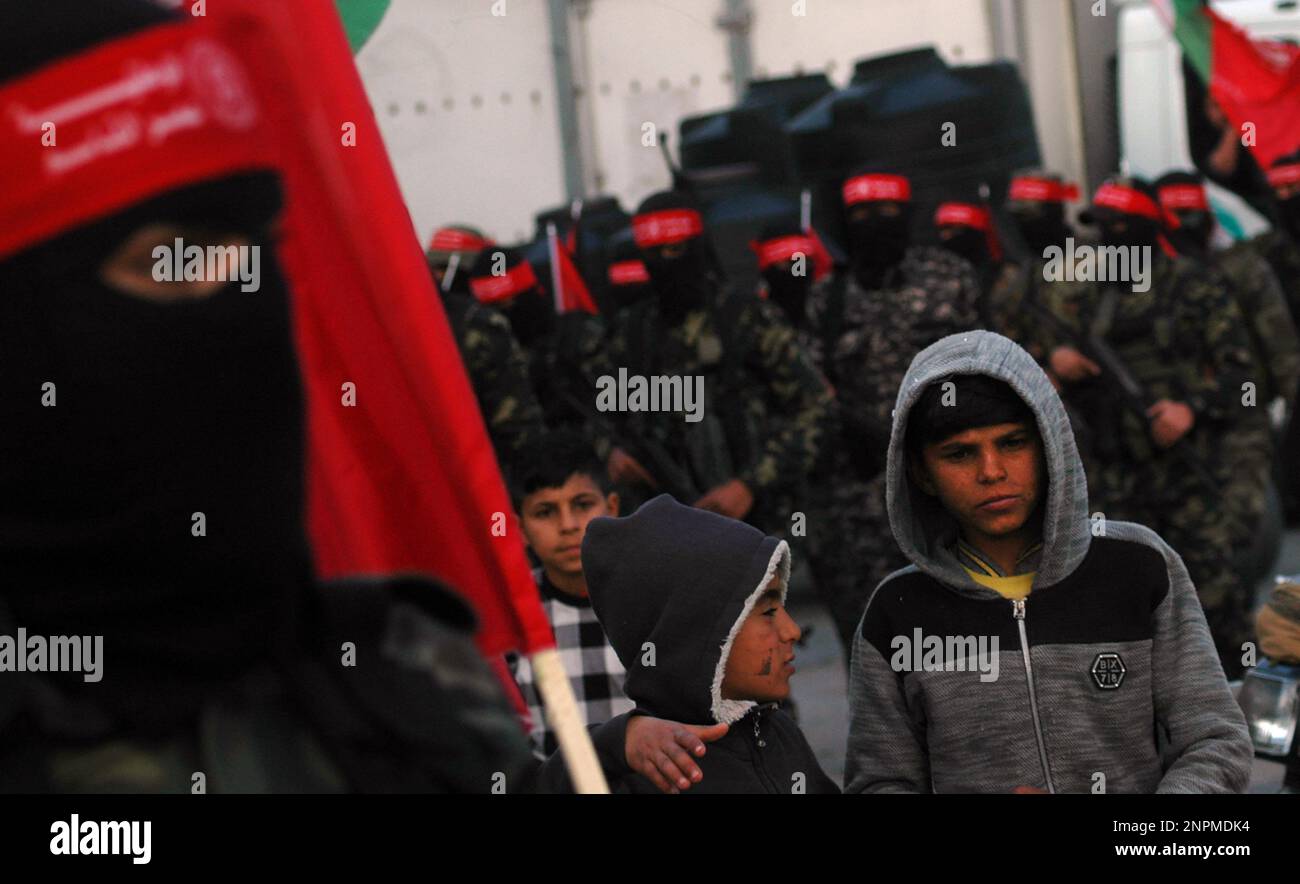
(1132, 395)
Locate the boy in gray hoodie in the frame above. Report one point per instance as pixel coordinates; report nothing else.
(1030, 646)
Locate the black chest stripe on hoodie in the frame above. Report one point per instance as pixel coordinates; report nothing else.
(1109, 598)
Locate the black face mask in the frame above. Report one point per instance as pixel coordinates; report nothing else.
(970, 244)
(1192, 237)
(1041, 232)
(1289, 213)
(877, 244)
(790, 293)
(1130, 232)
(161, 411)
(625, 296)
(683, 283)
(531, 315)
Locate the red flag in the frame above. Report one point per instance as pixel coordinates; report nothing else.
(1255, 82)
(405, 480)
(573, 292)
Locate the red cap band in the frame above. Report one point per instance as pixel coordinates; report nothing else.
(783, 248)
(1279, 176)
(1184, 196)
(666, 227)
(451, 240)
(965, 214)
(877, 188)
(1127, 200)
(630, 272)
(1030, 189)
(114, 126)
(493, 289)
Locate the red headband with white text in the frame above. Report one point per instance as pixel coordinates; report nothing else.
(91, 135)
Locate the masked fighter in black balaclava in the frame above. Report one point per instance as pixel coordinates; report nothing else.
(1177, 331)
(786, 265)
(1035, 204)
(565, 353)
(629, 281)
(1281, 245)
(967, 230)
(752, 427)
(1281, 248)
(1275, 350)
(151, 493)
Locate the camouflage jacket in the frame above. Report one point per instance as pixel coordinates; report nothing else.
(1014, 304)
(1283, 253)
(1274, 343)
(1183, 339)
(931, 294)
(498, 371)
(564, 366)
(765, 404)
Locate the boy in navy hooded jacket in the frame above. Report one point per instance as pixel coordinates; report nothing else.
(693, 604)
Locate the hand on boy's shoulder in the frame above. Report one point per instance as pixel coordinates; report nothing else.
(662, 751)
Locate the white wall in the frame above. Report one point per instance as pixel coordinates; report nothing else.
(466, 104)
(1049, 71)
(495, 163)
(833, 34)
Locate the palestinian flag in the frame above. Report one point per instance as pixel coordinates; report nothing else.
(1255, 82)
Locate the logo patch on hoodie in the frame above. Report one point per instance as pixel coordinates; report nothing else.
(1108, 671)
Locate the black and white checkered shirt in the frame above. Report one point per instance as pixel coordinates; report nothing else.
(593, 667)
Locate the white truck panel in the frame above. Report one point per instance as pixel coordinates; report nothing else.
(466, 104)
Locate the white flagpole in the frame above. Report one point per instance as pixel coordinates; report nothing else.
(562, 713)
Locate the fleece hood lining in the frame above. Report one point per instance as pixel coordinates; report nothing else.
(731, 711)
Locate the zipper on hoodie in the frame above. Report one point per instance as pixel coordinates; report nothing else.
(1018, 611)
(757, 744)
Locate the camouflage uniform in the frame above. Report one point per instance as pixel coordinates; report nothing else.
(1275, 371)
(834, 497)
(498, 371)
(1013, 302)
(930, 294)
(1184, 339)
(564, 365)
(765, 404)
(1283, 254)
(1023, 304)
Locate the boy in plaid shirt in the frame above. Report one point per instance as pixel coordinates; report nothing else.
(562, 489)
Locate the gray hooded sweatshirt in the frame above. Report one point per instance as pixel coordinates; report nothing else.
(1103, 679)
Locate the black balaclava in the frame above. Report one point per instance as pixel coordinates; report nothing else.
(968, 243)
(877, 241)
(440, 254)
(1289, 209)
(1125, 229)
(161, 411)
(531, 311)
(1195, 225)
(1041, 225)
(686, 282)
(1036, 204)
(788, 290)
(622, 251)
